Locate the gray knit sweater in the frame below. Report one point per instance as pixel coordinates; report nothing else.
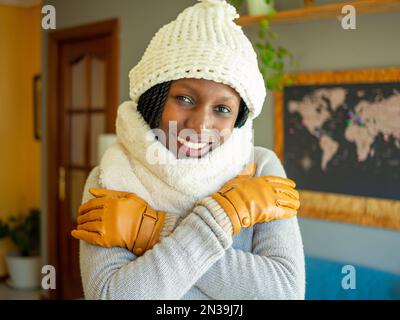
(200, 260)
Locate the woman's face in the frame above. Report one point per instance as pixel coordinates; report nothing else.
(198, 116)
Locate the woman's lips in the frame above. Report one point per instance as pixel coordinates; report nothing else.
(192, 145)
(184, 149)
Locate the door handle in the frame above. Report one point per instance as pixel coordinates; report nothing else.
(61, 183)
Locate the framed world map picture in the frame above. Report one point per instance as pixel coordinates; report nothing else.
(337, 134)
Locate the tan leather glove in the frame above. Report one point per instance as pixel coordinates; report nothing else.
(249, 200)
(118, 218)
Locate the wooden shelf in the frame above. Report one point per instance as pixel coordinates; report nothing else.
(314, 12)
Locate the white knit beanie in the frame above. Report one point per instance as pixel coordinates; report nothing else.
(202, 42)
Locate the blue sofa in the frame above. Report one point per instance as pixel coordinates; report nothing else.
(324, 282)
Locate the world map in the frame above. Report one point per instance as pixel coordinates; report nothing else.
(344, 138)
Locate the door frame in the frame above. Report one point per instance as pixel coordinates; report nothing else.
(55, 40)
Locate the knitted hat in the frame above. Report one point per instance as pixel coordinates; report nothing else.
(202, 42)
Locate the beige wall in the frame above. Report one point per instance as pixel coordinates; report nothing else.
(20, 153)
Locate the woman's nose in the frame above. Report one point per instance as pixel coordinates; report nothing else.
(199, 119)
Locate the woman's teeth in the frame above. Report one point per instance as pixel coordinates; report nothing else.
(192, 145)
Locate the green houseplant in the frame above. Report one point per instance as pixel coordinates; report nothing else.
(259, 7)
(273, 58)
(6, 246)
(24, 232)
(24, 264)
(3, 229)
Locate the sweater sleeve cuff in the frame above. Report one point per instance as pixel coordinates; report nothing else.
(169, 224)
(218, 213)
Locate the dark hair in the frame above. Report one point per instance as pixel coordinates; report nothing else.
(151, 104)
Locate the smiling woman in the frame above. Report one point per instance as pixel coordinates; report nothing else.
(182, 217)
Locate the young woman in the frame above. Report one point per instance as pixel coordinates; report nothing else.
(191, 209)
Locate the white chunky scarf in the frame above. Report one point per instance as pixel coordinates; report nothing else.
(176, 185)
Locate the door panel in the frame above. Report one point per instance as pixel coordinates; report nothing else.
(98, 83)
(85, 114)
(76, 183)
(77, 144)
(97, 126)
(78, 82)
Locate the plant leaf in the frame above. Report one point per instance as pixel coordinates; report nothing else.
(264, 25)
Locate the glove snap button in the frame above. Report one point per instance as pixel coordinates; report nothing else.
(138, 251)
(246, 221)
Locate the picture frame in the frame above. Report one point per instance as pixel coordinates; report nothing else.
(37, 107)
(336, 206)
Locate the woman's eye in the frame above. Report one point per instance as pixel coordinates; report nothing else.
(223, 109)
(183, 99)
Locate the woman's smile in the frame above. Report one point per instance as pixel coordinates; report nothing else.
(192, 149)
(192, 145)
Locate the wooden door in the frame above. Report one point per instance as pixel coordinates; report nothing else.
(86, 107)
